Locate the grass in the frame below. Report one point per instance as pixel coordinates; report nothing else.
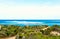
(33, 32)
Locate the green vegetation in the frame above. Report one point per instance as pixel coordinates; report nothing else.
(30, 32)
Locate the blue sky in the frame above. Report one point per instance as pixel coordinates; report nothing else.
(29, 9)
(28, 2)
(42, 1)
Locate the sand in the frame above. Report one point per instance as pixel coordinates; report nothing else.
(14, 37)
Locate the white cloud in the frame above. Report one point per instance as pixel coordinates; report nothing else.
(29, 12)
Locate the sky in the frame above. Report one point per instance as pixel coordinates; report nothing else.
(29, 9)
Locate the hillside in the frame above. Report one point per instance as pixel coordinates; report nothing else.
(30, 32)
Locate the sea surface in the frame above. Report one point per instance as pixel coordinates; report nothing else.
(30, 22)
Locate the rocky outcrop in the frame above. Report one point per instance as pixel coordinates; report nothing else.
(55, 33)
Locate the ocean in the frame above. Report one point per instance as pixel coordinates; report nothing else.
(30, 22)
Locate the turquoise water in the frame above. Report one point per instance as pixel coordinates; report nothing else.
(30, 22)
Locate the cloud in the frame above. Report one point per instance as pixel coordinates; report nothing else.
(29, 12)
(38, 11)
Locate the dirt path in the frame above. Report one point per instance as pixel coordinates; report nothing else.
(45, 28)
(14, 37)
